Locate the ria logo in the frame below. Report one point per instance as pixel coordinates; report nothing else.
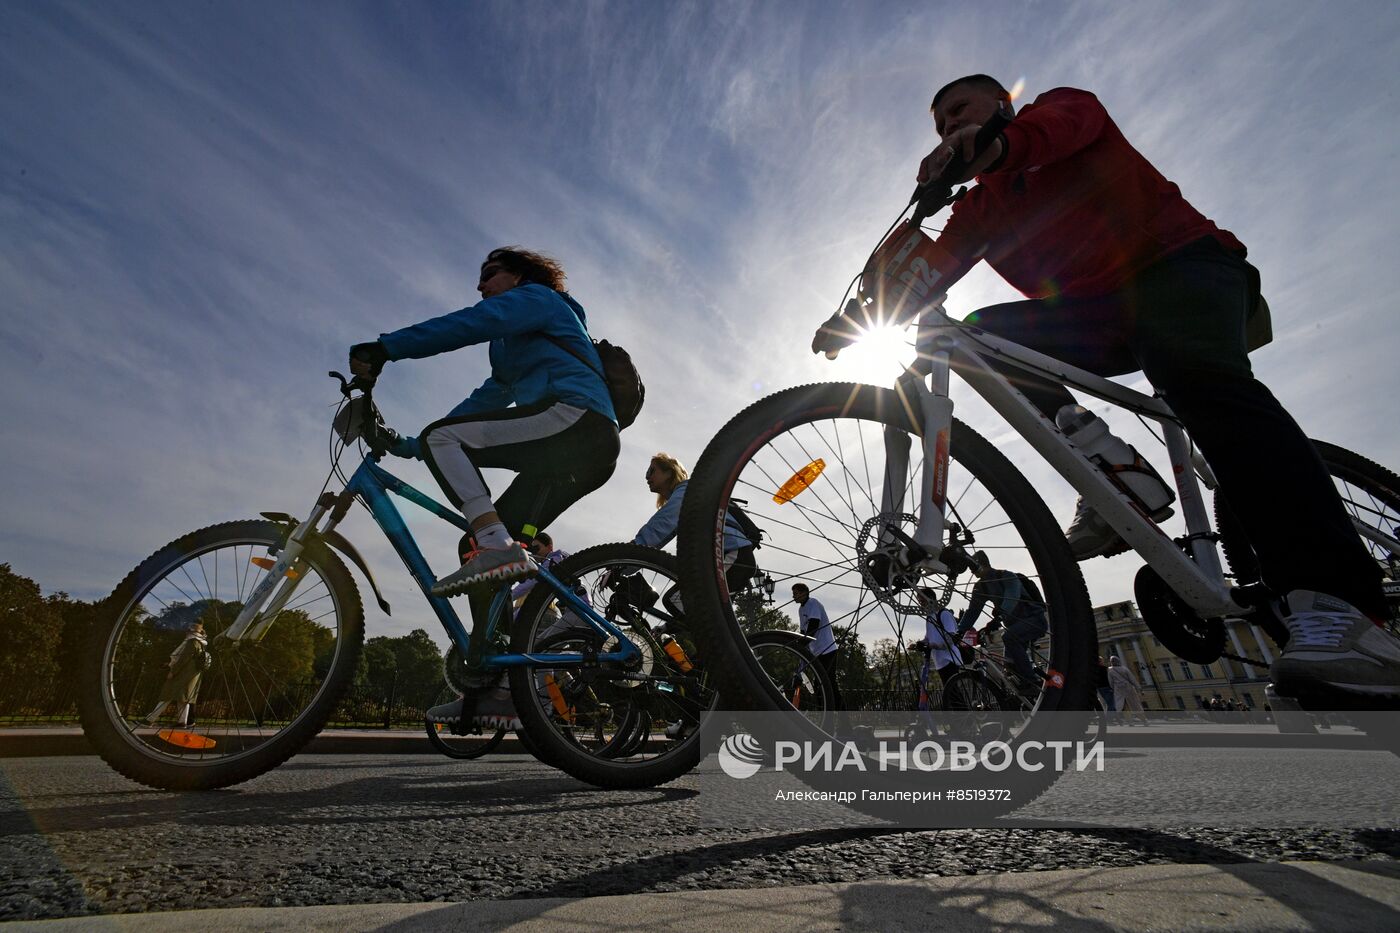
(740, 755)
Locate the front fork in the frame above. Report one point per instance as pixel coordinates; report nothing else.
(923, 393)
(284, 576)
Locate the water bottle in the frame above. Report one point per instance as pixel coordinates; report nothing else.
(676, 653)
(1092, 436)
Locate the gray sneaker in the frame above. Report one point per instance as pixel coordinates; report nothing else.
(1333, 645)
(487, 565)
(491, 708)
(1090, 536)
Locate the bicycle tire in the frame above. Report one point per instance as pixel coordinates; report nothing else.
(813, 684)
(714, 482)
(607, 766)
(1357, 476)
(236, 751)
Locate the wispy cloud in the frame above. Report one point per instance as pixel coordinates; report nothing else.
(202, 207)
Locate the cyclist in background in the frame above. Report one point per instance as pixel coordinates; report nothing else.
(941, 637)
(812, 621)
(546, 557)
(1122, 274)
(667, 478)
(1019, 610)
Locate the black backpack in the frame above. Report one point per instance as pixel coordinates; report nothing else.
(1034, 602)
(623, 381)
(745, 523)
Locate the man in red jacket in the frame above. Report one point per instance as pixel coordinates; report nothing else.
(1122, 274)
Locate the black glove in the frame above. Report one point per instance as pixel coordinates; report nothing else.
(379, 437)
(372, 353)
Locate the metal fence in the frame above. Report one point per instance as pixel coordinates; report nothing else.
(362, 707)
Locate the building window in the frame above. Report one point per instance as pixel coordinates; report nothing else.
(1167, 671)
(1180, 703)
(1206, 672)
(1248, 700)
(1186, 671)
(1200, 704)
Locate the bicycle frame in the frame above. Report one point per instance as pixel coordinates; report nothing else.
(945, 346)
(372, 483)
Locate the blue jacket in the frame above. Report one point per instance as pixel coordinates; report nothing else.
(526, 368)
(659, 531)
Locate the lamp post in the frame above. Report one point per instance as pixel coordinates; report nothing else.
(768, 587)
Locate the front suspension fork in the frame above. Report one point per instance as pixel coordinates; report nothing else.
(271, 595)
(923, 394)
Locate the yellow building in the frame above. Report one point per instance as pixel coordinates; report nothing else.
(1169, 683)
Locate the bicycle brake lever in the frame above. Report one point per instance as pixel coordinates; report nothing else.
(344, 383)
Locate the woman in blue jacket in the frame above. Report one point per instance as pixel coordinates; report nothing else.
(545, 411)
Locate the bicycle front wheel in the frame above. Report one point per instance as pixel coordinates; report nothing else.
(239, 710)
(811, 464)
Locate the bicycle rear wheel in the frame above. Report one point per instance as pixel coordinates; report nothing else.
(462, 747)
(258, 702)
(611, 727)
(1371, 496)
(811, 464)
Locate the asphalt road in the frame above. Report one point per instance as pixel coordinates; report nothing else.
(76, 838)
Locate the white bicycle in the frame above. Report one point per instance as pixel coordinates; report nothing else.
(868, 493)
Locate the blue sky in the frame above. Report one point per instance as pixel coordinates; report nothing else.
(203, 205)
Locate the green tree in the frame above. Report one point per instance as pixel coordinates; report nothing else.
(409, 665)
(80, 619)
(30, 630)
(755, 615)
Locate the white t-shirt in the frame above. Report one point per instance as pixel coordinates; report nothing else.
(941, 655)
(812, 619)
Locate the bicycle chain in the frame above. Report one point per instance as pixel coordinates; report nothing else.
(1243, 660)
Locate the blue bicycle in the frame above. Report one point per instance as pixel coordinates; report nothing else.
(602, 692)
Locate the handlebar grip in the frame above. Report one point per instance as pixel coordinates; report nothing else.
(934, 193)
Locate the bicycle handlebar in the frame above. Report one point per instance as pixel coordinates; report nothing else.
(936, 193)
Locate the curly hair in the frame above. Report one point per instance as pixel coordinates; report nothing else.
(673, 468)
(531, 267)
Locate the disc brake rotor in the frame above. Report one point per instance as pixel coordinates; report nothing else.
(882, 566)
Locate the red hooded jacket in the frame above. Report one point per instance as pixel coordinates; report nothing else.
(1073, 209)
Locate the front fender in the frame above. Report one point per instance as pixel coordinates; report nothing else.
(796, 639)
(336, 540)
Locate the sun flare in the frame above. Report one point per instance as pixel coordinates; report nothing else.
(879, 356)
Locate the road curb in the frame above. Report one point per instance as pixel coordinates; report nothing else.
(31, 743)
(1285, 896)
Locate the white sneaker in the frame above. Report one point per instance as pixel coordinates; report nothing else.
(1332, 644)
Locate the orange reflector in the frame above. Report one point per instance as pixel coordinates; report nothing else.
(556, 696)
(186, 739)
(800, 481)
(267, 563)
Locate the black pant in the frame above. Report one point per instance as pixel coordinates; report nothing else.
(828, 663)
(1182, 322)
(555, 471)
(744, 569)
